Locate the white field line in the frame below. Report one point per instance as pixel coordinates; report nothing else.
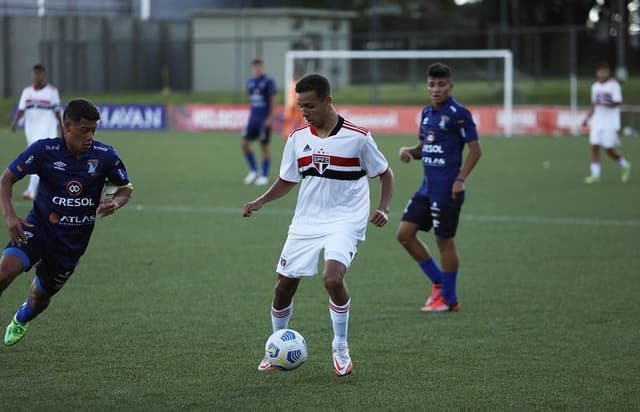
(471, 217)
(218, 210)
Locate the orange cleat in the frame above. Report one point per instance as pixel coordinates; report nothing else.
(436, 292)
(440, 305)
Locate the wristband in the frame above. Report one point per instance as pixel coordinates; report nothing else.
(459, 179)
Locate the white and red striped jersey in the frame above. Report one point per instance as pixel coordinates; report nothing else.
(40, 107)
(333, 170)
(602, 94)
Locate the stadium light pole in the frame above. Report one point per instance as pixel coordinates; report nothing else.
(621, 69)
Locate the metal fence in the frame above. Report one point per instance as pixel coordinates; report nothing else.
(108, 54)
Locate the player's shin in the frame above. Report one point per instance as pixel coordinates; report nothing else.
(280, 317)
(340, 322)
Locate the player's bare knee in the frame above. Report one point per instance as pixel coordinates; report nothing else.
(333, 281)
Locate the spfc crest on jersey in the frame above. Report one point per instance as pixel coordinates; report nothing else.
(93, 164)
(320, 161)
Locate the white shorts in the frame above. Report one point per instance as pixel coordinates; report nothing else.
(300, 254)
(607, 138)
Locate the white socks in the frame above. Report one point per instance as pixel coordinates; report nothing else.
(280, 317)
(340, 321)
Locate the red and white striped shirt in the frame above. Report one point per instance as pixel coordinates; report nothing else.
(40, 107)
(333, 170)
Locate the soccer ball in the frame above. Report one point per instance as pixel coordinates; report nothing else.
(286, 349)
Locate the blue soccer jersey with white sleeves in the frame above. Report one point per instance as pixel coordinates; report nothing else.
(70, 188)
(444, 133)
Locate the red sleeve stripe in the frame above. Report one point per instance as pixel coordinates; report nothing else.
(301, 127)
(333, 160)
(354, 127)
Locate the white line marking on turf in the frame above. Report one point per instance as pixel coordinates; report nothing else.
(471, 217)
(219, 210)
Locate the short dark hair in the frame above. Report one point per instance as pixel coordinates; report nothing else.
(439, 71)
(602, 65)
(38, 67)
(257, 60)
(78, 109)
(314, 82)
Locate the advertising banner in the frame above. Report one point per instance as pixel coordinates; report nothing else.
(490, 120)
(133, 117)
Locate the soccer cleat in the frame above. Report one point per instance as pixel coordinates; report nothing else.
(440, 305)
(265, 365)
(592, 179)
(341, 360)
(15, 332)
(262, 181)
(250, 177)
(626, 173)
(436, 292)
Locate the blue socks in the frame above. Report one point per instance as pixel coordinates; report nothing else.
(265, 167)
(449, 287)
(251, 161)
(431, 269)
(25, 313)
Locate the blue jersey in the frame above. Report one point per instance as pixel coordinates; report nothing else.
(260, 91)
(444, 132)
(70, 188)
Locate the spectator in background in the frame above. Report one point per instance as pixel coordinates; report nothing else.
(262, 99)
(604, 123)
(40, 105)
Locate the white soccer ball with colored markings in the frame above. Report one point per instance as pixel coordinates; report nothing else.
(286, 349)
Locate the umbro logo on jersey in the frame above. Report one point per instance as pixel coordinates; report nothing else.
(60, 165)
(306, 148)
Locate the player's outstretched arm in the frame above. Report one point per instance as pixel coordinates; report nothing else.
(120, 198)
(14, 124)
(13, 222)
(277, 190)
(380, 216)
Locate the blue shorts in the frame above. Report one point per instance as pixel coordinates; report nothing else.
(54, 265)
(443, 216)
(256, 131)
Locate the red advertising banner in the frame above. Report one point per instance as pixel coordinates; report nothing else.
(490, 120)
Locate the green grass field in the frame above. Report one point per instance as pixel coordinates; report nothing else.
(169, 309)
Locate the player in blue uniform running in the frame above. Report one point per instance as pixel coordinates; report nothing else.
(445, 128)
(56, 232)
(262, 99)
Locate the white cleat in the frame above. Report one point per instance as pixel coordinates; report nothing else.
(265, 365)
(262, 181)
(250, 177)
(341, 360)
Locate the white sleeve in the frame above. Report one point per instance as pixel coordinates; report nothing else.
(22, 103)
(593, 93)
(373, 161)
(289, 164)
(55, 100)
(616, 93)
